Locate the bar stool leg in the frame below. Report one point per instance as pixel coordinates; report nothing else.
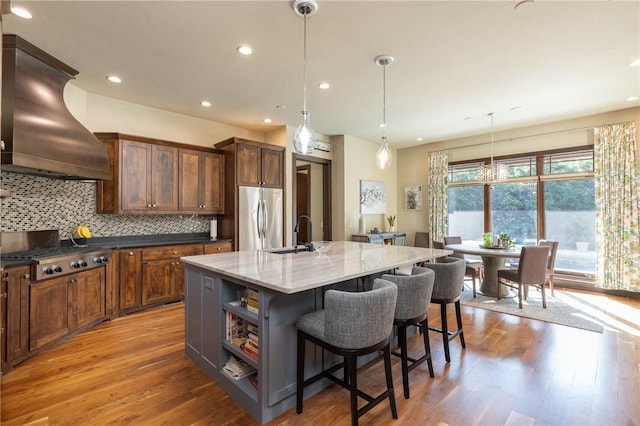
(445, 331)
(387, 371)
(459, 320)
(427, 345)
(300, 373)
(350, 363)
(402, 342)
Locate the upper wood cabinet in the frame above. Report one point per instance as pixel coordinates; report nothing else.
(151, 176)
(255, 163)
(201, 182)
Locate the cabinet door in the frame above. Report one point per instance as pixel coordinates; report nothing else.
(88, 291)
(130, 275)
(177, 274)
(49, 311)
(157, 282)
(16, 327)
(164, 178)
(272, 168)
(189, 176)
(212, 183)
(248, 163)
(135, 176)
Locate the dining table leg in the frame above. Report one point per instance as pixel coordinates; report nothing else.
(490, 285)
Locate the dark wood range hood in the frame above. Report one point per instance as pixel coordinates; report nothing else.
(41, 136)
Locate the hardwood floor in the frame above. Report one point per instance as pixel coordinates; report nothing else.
(514, 371)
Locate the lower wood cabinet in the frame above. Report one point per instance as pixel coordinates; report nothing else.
(59, 306)
(15, 314)
(155, 275)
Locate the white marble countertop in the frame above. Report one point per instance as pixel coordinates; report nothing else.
(295, 272)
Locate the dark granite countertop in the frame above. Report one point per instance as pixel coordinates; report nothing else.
(129, 241)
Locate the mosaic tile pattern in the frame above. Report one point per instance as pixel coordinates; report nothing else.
(43, 203)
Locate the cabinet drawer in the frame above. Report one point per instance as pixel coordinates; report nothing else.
(217, 248)
(168, 252)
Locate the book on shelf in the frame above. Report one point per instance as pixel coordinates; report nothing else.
(252, 336)
(252, 345)
(252, 301)
(236, 328)
(252, 329)
(238, 368)
(250, 352)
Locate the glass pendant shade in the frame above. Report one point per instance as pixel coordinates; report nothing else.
(492, 172)
(383, 156)
(304, 137)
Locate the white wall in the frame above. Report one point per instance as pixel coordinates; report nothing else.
(102, 114)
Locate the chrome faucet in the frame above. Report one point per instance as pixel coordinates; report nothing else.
(296, 229)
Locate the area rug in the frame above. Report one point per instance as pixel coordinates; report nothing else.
(566, 308)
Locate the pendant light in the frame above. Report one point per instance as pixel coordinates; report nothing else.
(304, 137)
(492, 172)
(383, 156)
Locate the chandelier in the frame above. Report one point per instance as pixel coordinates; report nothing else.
(383, 156)
(304, 137)
(492, 172)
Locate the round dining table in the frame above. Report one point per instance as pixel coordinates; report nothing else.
(493, 259)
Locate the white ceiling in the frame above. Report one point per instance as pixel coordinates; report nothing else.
(453, 60)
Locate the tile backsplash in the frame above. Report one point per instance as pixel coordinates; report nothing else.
(39, 203)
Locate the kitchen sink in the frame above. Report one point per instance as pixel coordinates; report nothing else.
(287, 250)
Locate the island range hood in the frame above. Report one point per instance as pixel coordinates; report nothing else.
(41, 136)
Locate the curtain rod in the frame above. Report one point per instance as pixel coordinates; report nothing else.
(556, 132)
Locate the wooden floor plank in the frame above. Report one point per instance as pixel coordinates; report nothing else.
(514, 371)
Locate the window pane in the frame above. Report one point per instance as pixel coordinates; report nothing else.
(466, 172)
(570, 219)
(568, 162)
(513, 210)
(466, 212)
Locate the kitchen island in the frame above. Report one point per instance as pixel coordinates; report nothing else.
(281, 288)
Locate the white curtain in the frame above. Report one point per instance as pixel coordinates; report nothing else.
(617, 207)
(437, 193)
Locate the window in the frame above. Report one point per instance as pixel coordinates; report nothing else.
(549, 195)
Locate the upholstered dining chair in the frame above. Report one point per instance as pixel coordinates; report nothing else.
(473, 268)
(532, 270)
(412, 304)
(422, 239)
(351, 324)
(440, 246)
(551, 263)
(447, 285)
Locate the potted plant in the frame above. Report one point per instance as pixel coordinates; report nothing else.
(411, 200)
(506, 240)
(392, 222)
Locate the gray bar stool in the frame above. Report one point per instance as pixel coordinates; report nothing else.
(446, 289)
(414, 295)
(351, 325)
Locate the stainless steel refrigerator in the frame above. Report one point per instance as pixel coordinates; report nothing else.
(260, 218)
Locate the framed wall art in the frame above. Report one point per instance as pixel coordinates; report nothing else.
(373, 197)
(413, 197)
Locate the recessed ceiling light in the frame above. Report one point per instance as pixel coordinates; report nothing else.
(114, 79)
(382, 125)
(205, 104)
(467, 118)
(324, 85)
(267, 120)
(419, 139)
(244, 50)
(635, 63)
(632, 98)
(21, 12)
(515, 108)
